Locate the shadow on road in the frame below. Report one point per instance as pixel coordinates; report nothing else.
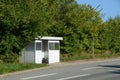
(116, 72)
(111, 66)
(116, 67)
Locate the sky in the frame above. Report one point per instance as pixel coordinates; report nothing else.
(109, 8)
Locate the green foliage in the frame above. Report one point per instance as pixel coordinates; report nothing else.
(9, 58)
(76, 23)
(16, 27)
(23, 20)
(113, 34)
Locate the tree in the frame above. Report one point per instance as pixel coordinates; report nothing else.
(114, 31)
(21, 21)
(76, 23)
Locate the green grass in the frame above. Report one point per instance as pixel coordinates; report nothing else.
(73, 57)
(6, 68)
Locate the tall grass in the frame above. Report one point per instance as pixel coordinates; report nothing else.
(83, 55)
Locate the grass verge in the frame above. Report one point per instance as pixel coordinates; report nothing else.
(84, 56)
(7, 67)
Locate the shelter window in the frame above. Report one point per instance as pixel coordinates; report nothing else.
(38, 45)
(53, 46)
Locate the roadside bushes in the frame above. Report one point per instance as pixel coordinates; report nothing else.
(9, 58)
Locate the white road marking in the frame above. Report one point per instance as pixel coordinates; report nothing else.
(91, 68)
(72, 77)
(32, 77)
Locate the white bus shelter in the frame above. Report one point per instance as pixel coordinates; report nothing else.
(42, 50)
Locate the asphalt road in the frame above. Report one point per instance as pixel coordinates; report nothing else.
(94, 70)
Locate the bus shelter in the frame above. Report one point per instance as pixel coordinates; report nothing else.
(42, 50)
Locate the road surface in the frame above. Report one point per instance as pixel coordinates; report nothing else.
(95, 70)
